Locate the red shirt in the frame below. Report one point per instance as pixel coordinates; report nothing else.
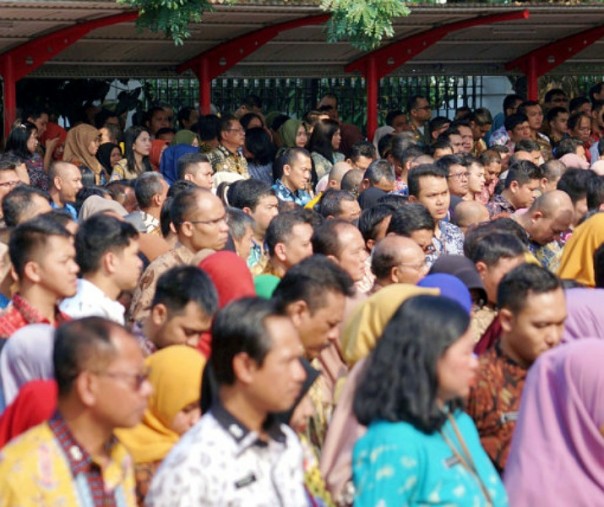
(20, 314)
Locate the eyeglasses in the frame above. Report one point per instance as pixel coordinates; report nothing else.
(10, 184)
(459, 176)
(209, 222)
(139, 378)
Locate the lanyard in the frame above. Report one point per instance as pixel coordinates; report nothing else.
(465, 458)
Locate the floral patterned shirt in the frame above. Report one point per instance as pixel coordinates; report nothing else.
(300, 197)
(224, 160)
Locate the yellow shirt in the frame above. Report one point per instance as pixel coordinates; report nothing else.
(34, 472)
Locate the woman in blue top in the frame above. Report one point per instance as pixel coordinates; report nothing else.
(420, 448)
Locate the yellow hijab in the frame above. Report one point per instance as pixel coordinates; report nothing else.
(577, 261)
(366, 324)
(176, 380)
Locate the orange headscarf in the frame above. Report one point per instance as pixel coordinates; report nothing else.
(157, 148)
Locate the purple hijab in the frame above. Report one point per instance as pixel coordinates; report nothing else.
(557, 454)
(585, 315)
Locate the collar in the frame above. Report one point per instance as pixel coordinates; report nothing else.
(228, 152)
(239, 432)
(504, 357)
(80, 461)
(31, 315)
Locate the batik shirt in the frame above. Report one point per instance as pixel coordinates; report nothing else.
(223, 160)
(498, 205)
(450, 242)
(494, 402)
(20, 313)
(220, 462)
(47, 467)
(548, 255)
(300, 197)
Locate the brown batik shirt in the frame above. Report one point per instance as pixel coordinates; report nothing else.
(494, 402)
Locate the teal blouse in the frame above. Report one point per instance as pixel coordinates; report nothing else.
(396, 465)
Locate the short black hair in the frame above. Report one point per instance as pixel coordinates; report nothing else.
(362, 149)
(400, 381)
(410, 218)
(391, 115)
(422, 171)
(371, 218)
(566, 146)
(438, 122)
(208, 127)
(523, 172)
(183, 115)
(184, 204)
(260, 145)
(282, 226)
(331, 202)
(575, 183)
(512, 121)
(189, 159)
(499, 225)
(147, 185)
(180, 185)
(247, 193)
(98, 235)
(241, 327)
(179, 286)
(395, 201)
(290, 155)
(378, 170)
(247, 118)
(516, 286)
(31, 237)
(526, 145)
(577, 102)
(491, 248)
(102, 116)
(575, 118)
(595, 192)
(550, 94)
(446, 162)
(80, 343)
(325, 238)
(18, 201)
(510, 100)
(310, 280)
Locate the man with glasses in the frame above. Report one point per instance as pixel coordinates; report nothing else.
(457, 177)
(229, 156)
(74, 458)
(9, 178)
(200, 222)
(420, 113)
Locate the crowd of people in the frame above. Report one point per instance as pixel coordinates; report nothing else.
(254, 309)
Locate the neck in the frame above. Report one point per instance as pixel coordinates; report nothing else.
(504, 343)
(104, 282)
(186, 242)
(288, 184)
(277, 267)
(259, 238)
(416, 122)
(154, 212)
(138, 160)
(43, 301)
(507, 195)
(231, 147)
(56, 198)
(149, 330)
(236, 403)
(88, 433)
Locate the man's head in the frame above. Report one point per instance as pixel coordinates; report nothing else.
(552, 172)
(187, 117)
(23, 203)
(517, 126)
(43, 256)
(556, 97)
(419, 109)
(548, 217)
(480, 122)
(532, 312)
(379, 174)
(428, 186)
(414, 221)
(196, 167)
(575, 182)
(100, 370)
(257, 199)
(470, 213)
(343, 243)
(397, 119)
(397, 259)
(438, 125)
(157, 119)
(199, 219)
(511, 103)
(340, 205)
(337, 173)
(65, 180)
(288, 238)
(453, 137)
(256, 353)
(467, 136)
(109, 247)
(527, 149)
(522, 182)
(9, 177)
(241, 229)
(351, 181)
(457, 174)
(296, 169)
(580, 105)
(374, 222)
(534, 113)
(362, 154)
(313, 293)
(151, 191)
(183, 306)
(495, 254)
(557, 121)
(232, 134)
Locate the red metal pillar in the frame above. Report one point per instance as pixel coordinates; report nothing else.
(205, 85)
(372, 84)
(10, 94)
(532, 79)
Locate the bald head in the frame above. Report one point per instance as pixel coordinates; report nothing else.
(469, 213)
(336, 174)
(397, 259)
(351, 181)
(549, 216)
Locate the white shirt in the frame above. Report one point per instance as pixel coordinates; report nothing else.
(90, 301)
(219, 462)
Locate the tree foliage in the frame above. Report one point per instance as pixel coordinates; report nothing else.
(363, 23)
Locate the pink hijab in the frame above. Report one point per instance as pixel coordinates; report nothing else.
(585, 316)
(557, 454)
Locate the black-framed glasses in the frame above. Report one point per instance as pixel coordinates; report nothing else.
(459, 176)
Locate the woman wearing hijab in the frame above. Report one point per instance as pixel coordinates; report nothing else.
(81, 147)
(109, 155)
(157, 150)
(585, 316)
(293, 134)
(557, 454)
(187, 137)
(577, 262)
(420, 448)
(137, 146)
(26, 356)
(173, 408)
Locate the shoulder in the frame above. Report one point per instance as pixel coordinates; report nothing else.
(27, 451)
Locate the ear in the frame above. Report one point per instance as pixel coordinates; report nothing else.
(109, 262)
(157, 200)
(287, 169)
(296, 312)
(537, 215)
(57, 182)
(506, 318)
(514, 186)
(412, 198)
(333, 258)
(543, 183)
(281, 252)
(86, 387)
(244, 368)
(482, 268)
(248, 211)
(188, 177)
(394, 274)
(186, 229)
(31, 271)
(159, 314)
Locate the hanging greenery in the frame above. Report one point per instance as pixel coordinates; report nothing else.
(363, 23)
